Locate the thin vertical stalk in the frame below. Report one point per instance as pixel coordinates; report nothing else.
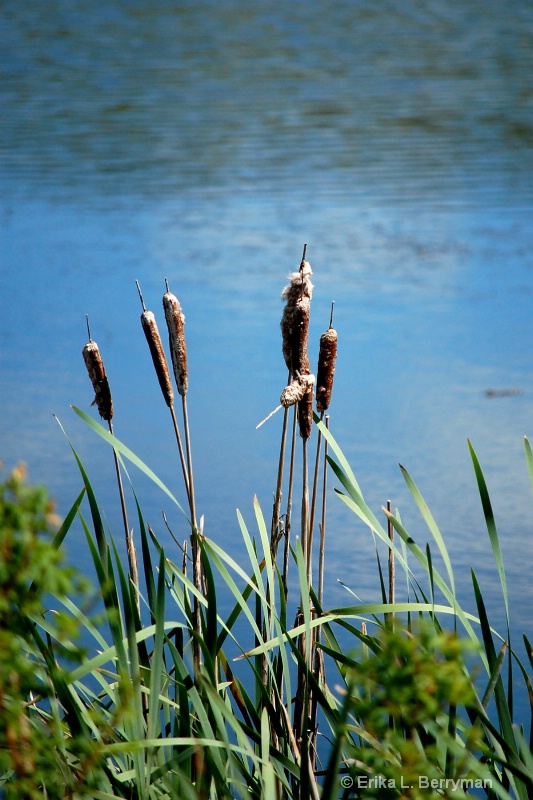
(391, 564)
(175, 320)
(161, 367)
(104, 402)
(391, 568)
(315, 488)
(305, 512)
(288, 515)
(276, 509)
(130, 547)
(321, 552)
(182, 457)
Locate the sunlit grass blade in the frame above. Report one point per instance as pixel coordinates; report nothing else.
(436, 577)
(432, 525)
(69, 519)
(127, 453)
(491, 527)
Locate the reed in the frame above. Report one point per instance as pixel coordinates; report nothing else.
(135, 717)
(104, 403)
(295, 320)
(175, 324)
(327, 357)
(175, 320)
(159, 359)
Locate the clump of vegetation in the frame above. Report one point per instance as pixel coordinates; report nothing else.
(403, 692)
(156, 707)
(37, 752)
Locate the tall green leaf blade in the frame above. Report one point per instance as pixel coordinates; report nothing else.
(432, 525)
(491, 526)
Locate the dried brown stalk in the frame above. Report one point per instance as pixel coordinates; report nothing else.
(175, 320)
(97, 374)
(325, 373)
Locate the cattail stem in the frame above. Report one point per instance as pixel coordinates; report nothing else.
(130, 547)
(321, 552)
(96, 369)
(276, 509)
(189, 458)
(305, 511)
(315, 485)
(288, 514)
(175, 320)
(391, 563)
(319, 655)
(182, 456)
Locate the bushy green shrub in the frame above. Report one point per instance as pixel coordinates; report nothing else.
(404, 693)
(38, 756)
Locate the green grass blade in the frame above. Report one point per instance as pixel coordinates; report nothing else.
(127, 453)
(431, 524)
(491, 526)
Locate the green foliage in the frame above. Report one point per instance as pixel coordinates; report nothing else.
(134, 716)
(402, 697)
(36, 750)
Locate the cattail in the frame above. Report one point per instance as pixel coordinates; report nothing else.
(305, 414)
(97, 374)
(156, 350)
(176, 337)
(295, 319)
(326, 369)
(295, 391)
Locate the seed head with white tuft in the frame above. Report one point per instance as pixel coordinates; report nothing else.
(296, 389)
(295, 319)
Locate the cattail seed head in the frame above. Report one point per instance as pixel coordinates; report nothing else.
(176, 337)
(295, 319)
(326, 369)
(295, 391)
(305, 414)
(97, 374)
(158, 355)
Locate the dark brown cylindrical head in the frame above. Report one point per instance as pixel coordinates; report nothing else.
(158, 356)
(295, 319)
(97, 374)
(305, 414)
(176, 338)
(326, 369)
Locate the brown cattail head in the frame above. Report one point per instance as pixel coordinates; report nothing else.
(305, 414)
(295, 319)
(295, 391)
(96, 370)
(176, 338)
(326, 369)
(158, 356)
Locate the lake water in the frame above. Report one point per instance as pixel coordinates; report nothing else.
(206, 142)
